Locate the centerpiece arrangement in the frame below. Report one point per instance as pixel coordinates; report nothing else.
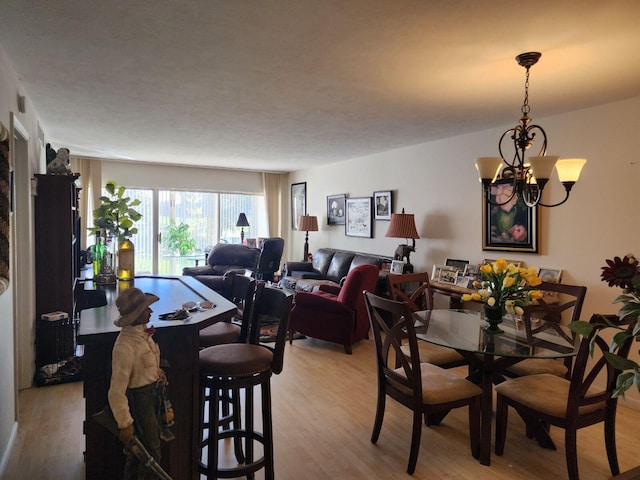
(505, 288)
(114, 221)
(623, 273)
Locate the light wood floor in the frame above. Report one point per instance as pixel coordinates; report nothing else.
(324, 405)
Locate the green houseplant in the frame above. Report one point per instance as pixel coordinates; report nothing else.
(180, 239)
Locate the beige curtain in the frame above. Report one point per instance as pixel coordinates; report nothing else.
(90, 180)
(274, 198)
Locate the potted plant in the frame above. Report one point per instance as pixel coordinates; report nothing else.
(180, 239)
(114, 217)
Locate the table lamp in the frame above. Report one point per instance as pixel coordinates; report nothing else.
(242, 222)
(403, 225)
(308, 223)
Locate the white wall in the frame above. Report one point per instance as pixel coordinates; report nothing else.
(438, 183)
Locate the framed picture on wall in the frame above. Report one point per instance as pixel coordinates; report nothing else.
(382, 205)
(336, 209)
(358, 217)
(512, 226)
(298, 202)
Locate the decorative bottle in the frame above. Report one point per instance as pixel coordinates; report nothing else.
(98, 254)
(126, 259)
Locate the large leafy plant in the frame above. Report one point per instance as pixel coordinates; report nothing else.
(623, 273)
(116, 214)
(180, 239)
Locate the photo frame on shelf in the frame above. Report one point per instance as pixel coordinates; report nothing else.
(472, 269)
(448, 275)
(358, 217)
(465, 281)
(551, 275)
(382, 205)
(512, 227)
(336, 209)
(298, 202)
(397, 267)
(435, 272)
(459, 265)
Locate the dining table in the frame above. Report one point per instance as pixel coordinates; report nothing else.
(491, 354)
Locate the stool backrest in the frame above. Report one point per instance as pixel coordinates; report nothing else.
(241, 290)
(274, 304)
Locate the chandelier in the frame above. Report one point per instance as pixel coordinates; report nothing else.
(526, 177)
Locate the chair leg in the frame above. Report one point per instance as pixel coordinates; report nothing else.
(267, 423)
(236, 419)
(610, 441)
(571, 452)
(502, 412)
(435, 418)
(415, 441)
(474, 426)
(377, 424)
(347, 348)
(214, 424)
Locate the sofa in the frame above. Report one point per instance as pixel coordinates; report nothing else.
(330, 266)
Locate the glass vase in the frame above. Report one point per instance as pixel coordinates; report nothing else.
(493, 316)
(107, 274)
(126, 260)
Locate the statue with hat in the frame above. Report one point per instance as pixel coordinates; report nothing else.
(137, 393)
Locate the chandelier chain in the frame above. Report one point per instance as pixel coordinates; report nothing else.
(525, 105)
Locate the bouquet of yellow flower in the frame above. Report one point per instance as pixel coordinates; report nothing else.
(506, 287)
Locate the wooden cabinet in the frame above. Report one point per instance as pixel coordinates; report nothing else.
(57, 252)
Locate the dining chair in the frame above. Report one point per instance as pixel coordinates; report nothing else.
(415, 290)
(572, 403)
(424, 388)
(240, 367)
(560, 304)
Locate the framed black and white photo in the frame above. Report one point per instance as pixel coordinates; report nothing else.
(397, 267)
(550, 275)
(435, 273)
(459, 265)
(382, 205)
(448, 275)
(358, 221)
(298, 202)
(336, 209)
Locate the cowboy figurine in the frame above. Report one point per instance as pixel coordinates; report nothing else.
(137, 394)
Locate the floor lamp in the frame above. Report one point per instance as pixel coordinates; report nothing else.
(308, 223)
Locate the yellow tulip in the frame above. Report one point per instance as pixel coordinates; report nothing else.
(500, 265)
(535, 294)
(486, 268)
(508, 282)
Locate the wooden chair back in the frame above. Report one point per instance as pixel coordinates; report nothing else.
(272, 303)
(564, 300)
(241, 290)
(413, 288)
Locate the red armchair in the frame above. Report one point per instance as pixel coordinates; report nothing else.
(336, 314)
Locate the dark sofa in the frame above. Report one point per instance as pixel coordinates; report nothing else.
(329, 267)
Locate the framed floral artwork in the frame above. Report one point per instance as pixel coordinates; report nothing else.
(358, 221)
(336, 209)
(512, 226)
(298, 202)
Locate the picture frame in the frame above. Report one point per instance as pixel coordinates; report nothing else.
(358, 217)
(251, 242)
(472, 269)
(382, 203)
(551, 275)
(336, 209)
(512, 227)
(298, 202)
(459, 265)
(448, 275)
(397, 267)
(465, 281)
(435, 272)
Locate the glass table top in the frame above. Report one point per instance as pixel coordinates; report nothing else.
(464, 330)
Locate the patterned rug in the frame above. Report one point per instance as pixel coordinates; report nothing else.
(268, 333)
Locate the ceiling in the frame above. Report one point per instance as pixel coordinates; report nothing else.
(280, 85)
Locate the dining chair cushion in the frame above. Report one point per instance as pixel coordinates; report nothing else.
(545, 393)
(536, 366)
(435, 354)
(235, 359)
(442, 386)
(219, 333)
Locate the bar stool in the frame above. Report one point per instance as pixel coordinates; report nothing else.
(241, 366)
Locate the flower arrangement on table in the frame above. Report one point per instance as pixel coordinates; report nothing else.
(505, 287)
(623, 273)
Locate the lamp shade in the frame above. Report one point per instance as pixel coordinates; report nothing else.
(242, 221)
(569, 169)
(308, 223)
(402, 225)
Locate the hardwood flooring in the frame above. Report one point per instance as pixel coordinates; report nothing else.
(324, 405)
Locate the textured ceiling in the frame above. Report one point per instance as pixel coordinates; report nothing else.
(280, 85)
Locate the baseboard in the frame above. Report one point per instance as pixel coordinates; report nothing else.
(7, 451)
